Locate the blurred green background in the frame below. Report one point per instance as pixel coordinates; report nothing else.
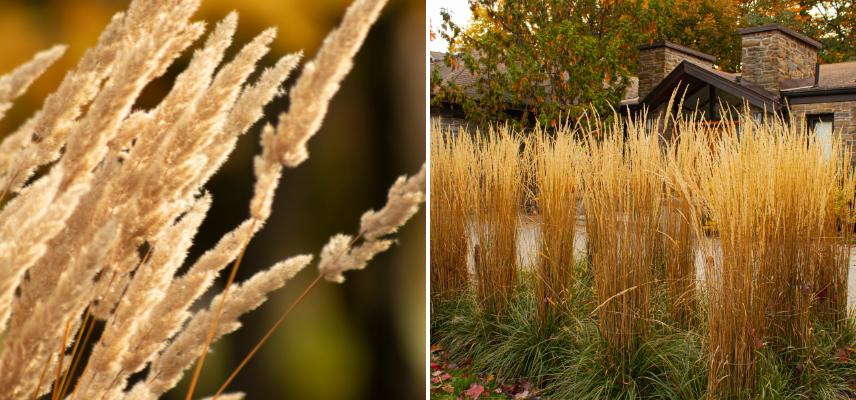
(361, 340)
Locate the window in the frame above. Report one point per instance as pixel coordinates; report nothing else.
(822, 125)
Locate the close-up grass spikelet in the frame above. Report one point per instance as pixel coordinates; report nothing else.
(102, 200)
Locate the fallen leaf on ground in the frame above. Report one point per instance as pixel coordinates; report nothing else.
(475, 391)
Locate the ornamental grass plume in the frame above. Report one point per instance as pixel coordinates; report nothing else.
(783, 233)
(558, 163)
(453, 164)
(497, 207)
(622, 194)
(100, 236)
(678, 222)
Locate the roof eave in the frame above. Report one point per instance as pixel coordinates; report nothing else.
(820, 95)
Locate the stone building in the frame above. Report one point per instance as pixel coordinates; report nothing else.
(779, 73)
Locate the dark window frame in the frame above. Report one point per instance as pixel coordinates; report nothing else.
(811, 119)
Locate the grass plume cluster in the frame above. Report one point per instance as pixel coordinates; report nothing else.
(776, 225)
(498, 196)
(99, 236)
(557, 163)
(452, 184)
(679, 238)
(716, 266)
(623, 195)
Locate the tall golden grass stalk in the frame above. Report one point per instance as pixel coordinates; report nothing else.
(679, 236)
(453, 185)
(558, 161)
(679, 257)
(838, 232)
(623, 197)
(497, 207)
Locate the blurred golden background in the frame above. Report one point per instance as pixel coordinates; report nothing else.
(361, 340)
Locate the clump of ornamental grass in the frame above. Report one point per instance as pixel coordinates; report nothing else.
(453, 158)
(677, 227)
(828, 372)
(498, 199)
(671, 364)
(833, 257)
(522, 347)
(570, 359)
(772, 221)
(765, 324)
(622, 195)
(100, 236)
(558, 161)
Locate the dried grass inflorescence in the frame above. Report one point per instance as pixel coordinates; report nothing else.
(498, 197)
(623, 195)
(121, 179)
(679, 238)
(453, 183)
(782, 242)
(558, 163)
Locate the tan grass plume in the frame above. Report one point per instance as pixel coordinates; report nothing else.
(121, 179)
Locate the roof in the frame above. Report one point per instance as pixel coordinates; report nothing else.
(631, 95)
(836, 82)
(837, 75)
(776, 27)
(696, 76)
(461, 77)
(682, 49)
(838, 79)
(464, 78)
(831, 76)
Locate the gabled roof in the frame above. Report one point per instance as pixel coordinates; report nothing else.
(697, 76)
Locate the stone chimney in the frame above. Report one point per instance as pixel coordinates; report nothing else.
(772, 54)
(659, 59)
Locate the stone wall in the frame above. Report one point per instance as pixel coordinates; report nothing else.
(772, 56)
(655, 62)
(451, 123)
(844, 120)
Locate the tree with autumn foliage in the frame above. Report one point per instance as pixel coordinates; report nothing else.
(837, 19)
(555, 59)
(832, 22)
(552, 59)
(709, 26)
(547, 60)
